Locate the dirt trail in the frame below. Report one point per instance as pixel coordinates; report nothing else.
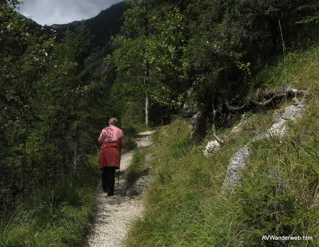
(116, 213)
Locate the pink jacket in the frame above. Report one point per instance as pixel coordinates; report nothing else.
(111, 134)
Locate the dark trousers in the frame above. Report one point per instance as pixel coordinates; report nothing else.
(108, 180)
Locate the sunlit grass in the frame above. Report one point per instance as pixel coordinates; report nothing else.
(279, 192)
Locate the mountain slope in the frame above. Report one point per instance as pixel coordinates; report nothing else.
(102, 26)
(278, 194)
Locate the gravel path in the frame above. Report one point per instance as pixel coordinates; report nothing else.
(116, 213)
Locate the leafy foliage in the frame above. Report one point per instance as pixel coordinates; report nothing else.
(48, 127)
(24, 56)
(47, 106)
(214, 47)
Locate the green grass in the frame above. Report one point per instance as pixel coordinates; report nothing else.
(60, 216)
(298, 69)
(278, 195)
(57, 217)
(137, 168)
(185, 188)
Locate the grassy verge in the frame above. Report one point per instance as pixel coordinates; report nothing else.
(185, 187)
(137, 167)
(278, 196)
(57, 217)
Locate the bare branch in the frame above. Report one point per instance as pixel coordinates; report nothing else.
(288, 93)
(220, 141)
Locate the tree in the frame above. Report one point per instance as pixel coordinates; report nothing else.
(139, 65)
(23, 55)
(63, 105)
(151, 55)
(213, 47)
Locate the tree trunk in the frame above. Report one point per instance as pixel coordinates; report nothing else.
(75, 151)
(146, 109)
(146, 85)
(146, 74)
(75, 155)
(282, 38)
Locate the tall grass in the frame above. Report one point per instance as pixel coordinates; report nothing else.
(182, 202)
(279, 191)
(60, 216)
(279, 195)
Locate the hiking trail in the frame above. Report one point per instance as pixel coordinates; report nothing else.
(116, 213)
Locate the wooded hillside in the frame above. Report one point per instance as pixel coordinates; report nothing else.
(54, 101)
(210, 48)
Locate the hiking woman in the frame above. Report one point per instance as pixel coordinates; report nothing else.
(111, 139)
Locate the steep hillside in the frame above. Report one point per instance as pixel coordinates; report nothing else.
(52, 107)
(275, 202)
(102, 26)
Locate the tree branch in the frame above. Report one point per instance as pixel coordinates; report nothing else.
(220, 141)
(274, 96)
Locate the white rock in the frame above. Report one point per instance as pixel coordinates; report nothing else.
(279, 129)
(239, 127)
(211, 148)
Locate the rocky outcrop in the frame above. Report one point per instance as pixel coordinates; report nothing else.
(192, 112)
(279, 129)
(239, 127)
(190, 106)
(211, 148)
(236, 165)
(197, 126)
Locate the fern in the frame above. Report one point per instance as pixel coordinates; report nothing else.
(309, 20)
(312, 9)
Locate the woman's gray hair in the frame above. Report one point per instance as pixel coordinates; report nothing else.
(113, 121)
